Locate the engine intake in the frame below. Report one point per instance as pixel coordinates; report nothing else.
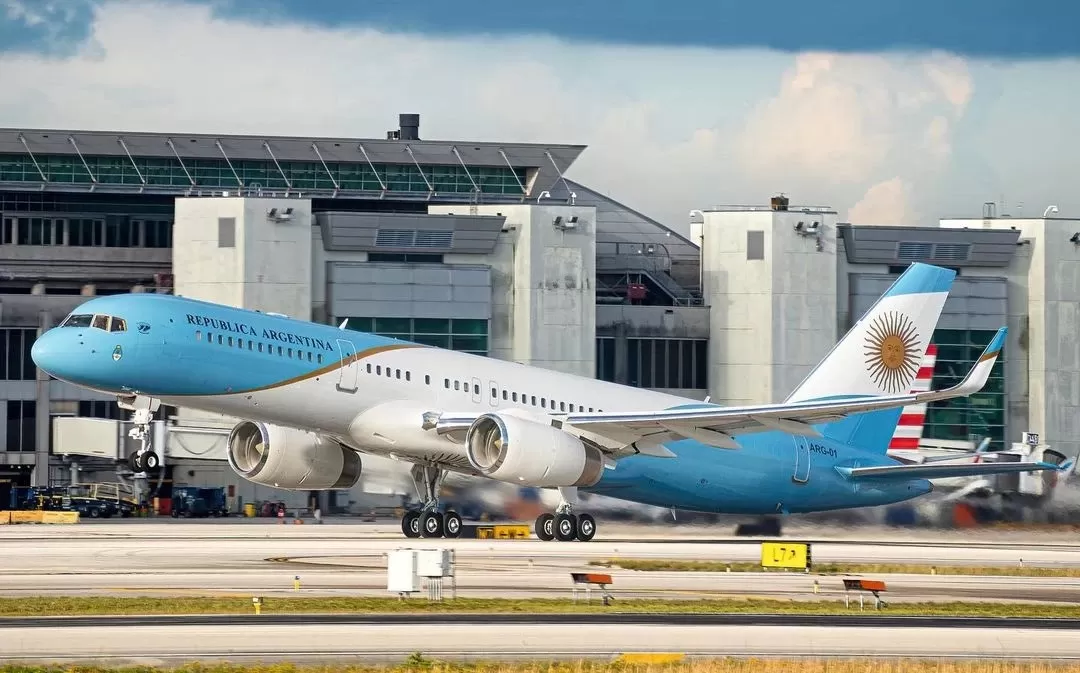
(523, 451)
(291, 459)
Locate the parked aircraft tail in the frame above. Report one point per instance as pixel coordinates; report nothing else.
(880, 355)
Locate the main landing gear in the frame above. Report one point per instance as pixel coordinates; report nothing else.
(428, 521)
(564, 525)
(144, 459)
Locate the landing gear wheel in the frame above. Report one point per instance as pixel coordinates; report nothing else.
(452, 524)
(410, 524)
(565, 527)
(149, 461)
(545, 527)
(431, 524)
(133, 462)
(586, 527)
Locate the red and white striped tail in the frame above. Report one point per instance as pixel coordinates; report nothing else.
(910, 428)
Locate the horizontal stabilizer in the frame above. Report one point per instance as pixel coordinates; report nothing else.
(939, 471)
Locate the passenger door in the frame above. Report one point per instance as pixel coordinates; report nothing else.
(802, 460)
(477, 393)
(494, 393)
(349, 369)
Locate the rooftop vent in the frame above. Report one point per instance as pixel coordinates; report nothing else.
(411, 238)
(408, 128)
(779, 202)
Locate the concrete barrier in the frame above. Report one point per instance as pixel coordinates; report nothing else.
(38, 516)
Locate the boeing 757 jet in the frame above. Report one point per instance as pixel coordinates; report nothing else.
(315, 397)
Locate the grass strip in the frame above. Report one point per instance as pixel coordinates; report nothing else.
(676, 565)
(139, 605)
(418, 662)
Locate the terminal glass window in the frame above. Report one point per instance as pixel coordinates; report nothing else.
(972, 418)
(15, 361)
(21, 425)
(459, 334)
(655, 363)
(216, 173)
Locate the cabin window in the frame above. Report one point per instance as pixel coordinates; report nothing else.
(427, 380)
(457, 385)
(562, 406)
(446, 382)
(494, 393)
(230, 341)
(260, 347)
(408, 376)
(476, 389)
(369, 368)
(513, 396)
(378, 370)
(543, 403)
(505, 395)
(318, 358)
(534, 400)
(309, 356)
(280, 351)
(198, 335)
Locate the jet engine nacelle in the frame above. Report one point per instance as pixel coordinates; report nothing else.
(518, 450)
(291, 459)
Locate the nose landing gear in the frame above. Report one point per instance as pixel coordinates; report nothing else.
(428, 521)
(144, 459)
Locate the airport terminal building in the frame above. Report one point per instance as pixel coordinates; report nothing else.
(488, 248)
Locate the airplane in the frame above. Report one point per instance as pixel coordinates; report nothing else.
(315, 397)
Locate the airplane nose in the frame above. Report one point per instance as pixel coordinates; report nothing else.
(46, 352)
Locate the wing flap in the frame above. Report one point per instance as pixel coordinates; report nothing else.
(939, 471)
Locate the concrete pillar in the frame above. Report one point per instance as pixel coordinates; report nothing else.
(43, 442)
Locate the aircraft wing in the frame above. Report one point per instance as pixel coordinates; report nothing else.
(905, 472)
(715, 425)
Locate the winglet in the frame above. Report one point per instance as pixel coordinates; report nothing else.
(980, 373)
(343, 323)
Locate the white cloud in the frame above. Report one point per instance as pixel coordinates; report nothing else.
(887, 202)
(668, 129)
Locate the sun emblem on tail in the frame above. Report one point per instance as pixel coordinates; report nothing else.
(891, 359)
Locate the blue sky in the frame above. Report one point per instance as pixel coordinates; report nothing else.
(889, 111)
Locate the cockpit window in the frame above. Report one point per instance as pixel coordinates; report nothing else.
(79, 320)
(102, 322)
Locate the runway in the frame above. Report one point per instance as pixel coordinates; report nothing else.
(233, 558)
(262, 558)
(151, 644)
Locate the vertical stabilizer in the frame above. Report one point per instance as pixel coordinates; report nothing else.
(880, 355)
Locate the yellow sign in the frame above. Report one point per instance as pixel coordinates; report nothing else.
(785, 555)
(502, 532)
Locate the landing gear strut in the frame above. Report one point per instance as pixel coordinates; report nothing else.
(144, 459)
(428, 521)
(564, 525)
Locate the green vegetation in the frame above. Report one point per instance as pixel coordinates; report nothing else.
(837, 568)
(110, 605)
(418, 662)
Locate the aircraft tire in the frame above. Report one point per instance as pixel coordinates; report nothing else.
(545, 527)
(431, 524)
(149, 461)
(410, 524)
(565, 527)
(586, 527)
(451, 524)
